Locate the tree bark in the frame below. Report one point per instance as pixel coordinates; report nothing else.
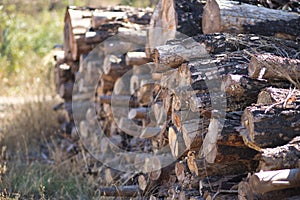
(281, 157)
(229, 16)
(274, 67)
(272, 95)
(268, 181)
(276, 121)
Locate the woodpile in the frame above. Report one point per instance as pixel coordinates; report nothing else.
(218, 113)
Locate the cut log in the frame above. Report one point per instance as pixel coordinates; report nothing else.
(242, 91)
(267, 181)
(229, 160)
(276, 95)
(281, 157)
(118, 100)
(173, 55)
(138, 113)
(114, 66)
(121, 86)
(159, 113)
(176, 142)
(193, 132)
(130, 127)
(77, 21)
(116, 46)
(233, 44)
(132, 35)
(274, 121)
(162, 25)
(136, 58)
(142, 182)
(139, 80)
(150, 132)
(180, 170)
(230, 16)
(274, 67)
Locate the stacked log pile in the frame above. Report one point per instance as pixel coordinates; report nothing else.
(219, 112)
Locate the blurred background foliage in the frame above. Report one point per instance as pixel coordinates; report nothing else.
(28, 31)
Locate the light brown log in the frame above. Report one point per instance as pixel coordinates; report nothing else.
(176, 142)
(150, 132)
(272, 95)
(116, 46)
(118, 100)
(267, 181)
(180, 117)
(129, 127)
(122, 87)
(132, 35)
(272, 121)
(163, 24)
(193, 132)
(114, 66)
(246, 193)
(138, 113)
(230, 16)
(142, 182)
(173, 55)
(281, 157)
(137, 81)
(159, 113)
(180, 170)
(136, 58)
(274, 67)
(229, 160)
(77, 21)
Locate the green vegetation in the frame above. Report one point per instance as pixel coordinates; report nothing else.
(26, 38)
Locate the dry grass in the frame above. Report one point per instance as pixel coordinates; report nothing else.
(33, 164)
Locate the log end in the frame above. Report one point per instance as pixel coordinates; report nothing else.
(211, 19)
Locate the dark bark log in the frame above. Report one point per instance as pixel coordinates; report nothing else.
(242, 91)
(281, 157)
(103, 17)
(275, 121)
(229, 160)
(229, 16)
